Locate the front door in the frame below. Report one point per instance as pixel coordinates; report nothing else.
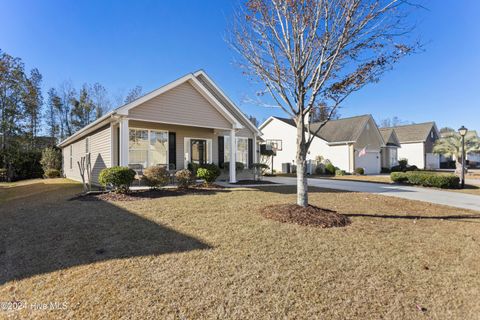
(198, 152)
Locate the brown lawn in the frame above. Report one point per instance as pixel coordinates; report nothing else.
(213, 255)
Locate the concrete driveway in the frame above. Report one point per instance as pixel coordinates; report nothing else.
(448, 198)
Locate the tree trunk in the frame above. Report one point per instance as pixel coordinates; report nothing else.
(302, 183)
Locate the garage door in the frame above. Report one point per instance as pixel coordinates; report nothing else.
(370, 162)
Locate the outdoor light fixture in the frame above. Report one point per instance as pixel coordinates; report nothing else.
(463, 131)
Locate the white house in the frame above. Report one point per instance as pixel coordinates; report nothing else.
(416, 144)
(339, 141)
(390, 151)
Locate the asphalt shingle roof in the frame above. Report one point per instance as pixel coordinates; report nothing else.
(413, 132)
(341, 130)
(389, 136)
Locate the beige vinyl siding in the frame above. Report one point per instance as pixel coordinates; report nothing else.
(99, 145)
(244, 132)
(181, 105)
(182, 132)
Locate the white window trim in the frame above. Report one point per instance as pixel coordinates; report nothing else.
(236, 149)
(148, 138)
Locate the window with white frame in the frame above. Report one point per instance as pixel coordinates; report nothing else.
(148, 147)
(241, 149)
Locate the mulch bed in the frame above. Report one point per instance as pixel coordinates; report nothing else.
(136, 195)
(309, 216)
(245, 182)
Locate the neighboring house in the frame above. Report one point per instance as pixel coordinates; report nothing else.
(339, 141)
(416, 144)
(473, 158)
(189, 120)
(390, 151)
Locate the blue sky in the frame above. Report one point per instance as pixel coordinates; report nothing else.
(149, 43)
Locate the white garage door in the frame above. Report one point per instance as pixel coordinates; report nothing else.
(370, 162)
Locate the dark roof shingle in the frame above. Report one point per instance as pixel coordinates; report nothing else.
(413, 132)
(341, 130)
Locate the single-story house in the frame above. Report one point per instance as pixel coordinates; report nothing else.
(189, 120)
(416, 144)
(390, 151)
(349, 143)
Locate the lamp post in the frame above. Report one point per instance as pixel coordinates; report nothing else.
(463, 131)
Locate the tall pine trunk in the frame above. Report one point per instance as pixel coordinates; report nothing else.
(301, 155)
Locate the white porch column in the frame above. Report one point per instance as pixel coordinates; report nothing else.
(123, 142)
(233, 157)
(255, 149)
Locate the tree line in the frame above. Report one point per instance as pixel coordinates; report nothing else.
(30, 120)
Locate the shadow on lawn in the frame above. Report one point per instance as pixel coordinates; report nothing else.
(415, 217)
(45, 233)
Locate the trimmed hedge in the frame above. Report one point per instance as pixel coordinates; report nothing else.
(427, 179)
(52, 173)
(208, 172)
(157, 176)
(339, 172)
(185, 178)
(119, 178)
(330, 169)
(360, 171)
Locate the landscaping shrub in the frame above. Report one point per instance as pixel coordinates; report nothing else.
(238, 165)
(193, 167)
(329, 169)
(118, 178)
(3, 174)
(398, 177)
(320, 169)
(427, 179)
(359, 171)
(156, 176)
(185, 178)
(51, 159)
(339, 172)
(385, 170)
(411, 168)
(208, 172)
(52, 173)
(403, 163)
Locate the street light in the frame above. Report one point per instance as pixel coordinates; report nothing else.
(463, 131)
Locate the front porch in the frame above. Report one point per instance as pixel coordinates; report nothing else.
(141, 144)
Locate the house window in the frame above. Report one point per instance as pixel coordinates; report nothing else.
(71, 157)
(87, 145)
(241, 150)
(148, 147)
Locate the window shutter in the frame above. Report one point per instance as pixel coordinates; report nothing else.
(221, 151)
(250, 153)
(172, 150)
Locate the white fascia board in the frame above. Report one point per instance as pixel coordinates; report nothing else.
(210, 98)
(201, 72)
(87, 129)
(264, 124)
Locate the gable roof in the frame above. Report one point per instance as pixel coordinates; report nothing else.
(389, 137)
(335, 131)
(231, 112)
(414, 132)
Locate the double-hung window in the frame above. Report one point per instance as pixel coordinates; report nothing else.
(148, 147)
(241, 148)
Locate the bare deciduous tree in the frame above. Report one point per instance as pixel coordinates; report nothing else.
(311, 51)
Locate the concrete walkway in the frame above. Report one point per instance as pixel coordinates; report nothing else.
(448, 198)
